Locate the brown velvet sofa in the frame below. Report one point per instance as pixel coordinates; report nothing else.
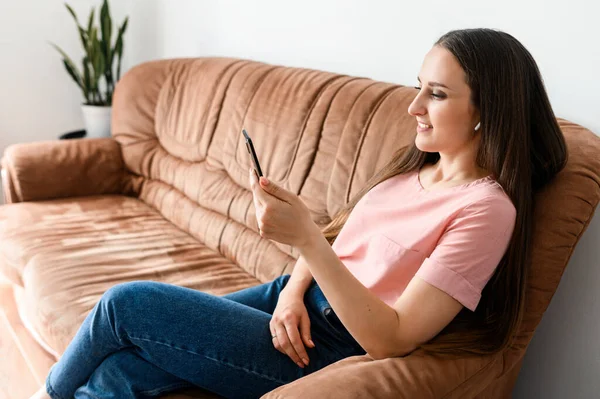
(167, 199)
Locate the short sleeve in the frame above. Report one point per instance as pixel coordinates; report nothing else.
(470, 249)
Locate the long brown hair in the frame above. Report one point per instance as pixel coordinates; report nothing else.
(522, 146)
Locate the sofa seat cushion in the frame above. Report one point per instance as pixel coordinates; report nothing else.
(64, 254)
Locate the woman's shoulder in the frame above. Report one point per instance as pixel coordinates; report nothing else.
(489, 197)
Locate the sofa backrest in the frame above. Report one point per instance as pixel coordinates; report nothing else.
(321, 135)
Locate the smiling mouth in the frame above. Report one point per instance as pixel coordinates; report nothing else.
(424, 125)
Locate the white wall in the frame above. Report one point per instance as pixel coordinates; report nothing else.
(384, 40)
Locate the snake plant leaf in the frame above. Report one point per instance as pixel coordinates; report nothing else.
(121, 32)
(95, 54)
(83, 36)
(72, 12)
(66, 59)
(119, 46)
(91, 20)
(123, 27)
(72, 72)
(92, 37)
(86, 77)
(106, 26)
(98, 64)
(65, 56)
(106, 46)
(99, 54)
(119, 52)
(101, 64)
(76, 77)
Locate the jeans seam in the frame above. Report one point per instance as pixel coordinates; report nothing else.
(332, 327)
(105, 312)
(210, 358)
(343, 335)
(162, 389)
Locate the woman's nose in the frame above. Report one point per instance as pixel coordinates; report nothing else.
(416, 107)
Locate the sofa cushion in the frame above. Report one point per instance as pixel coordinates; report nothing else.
(66, 253)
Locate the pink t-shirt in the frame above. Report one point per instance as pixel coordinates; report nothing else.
(452, 238)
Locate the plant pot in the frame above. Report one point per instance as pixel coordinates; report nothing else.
(96, 120)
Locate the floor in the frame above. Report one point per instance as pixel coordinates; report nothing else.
(19, 378)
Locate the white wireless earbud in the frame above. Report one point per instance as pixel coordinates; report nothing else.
(478, 126)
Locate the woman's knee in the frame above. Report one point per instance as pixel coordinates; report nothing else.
(131, 292)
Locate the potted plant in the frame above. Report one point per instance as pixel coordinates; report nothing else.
(101, 69)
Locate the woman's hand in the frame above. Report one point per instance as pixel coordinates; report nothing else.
(281, 215)
(290, 328)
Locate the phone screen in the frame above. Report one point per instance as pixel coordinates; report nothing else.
(250, 148)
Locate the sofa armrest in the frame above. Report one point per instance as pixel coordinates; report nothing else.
(414, 376)
(60, 169)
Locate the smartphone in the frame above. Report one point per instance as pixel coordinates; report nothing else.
(252, 153)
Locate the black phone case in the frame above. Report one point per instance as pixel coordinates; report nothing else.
(250, 148)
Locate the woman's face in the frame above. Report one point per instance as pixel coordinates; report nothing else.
(444, 105)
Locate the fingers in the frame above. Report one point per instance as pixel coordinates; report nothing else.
(296, 343)
(276, 191)
(263, 203)
(305, 330)
(288, 336)
(282, 344)
(256, 199)
(257, 191)
(268, 189)
(254, 187)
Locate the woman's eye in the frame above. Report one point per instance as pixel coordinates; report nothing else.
(434, 95)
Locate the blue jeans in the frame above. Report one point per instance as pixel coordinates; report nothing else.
(144, 338)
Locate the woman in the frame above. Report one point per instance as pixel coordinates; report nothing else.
(446, 263)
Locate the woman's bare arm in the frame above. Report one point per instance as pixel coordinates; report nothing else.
(300, 279)
(382, 330)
